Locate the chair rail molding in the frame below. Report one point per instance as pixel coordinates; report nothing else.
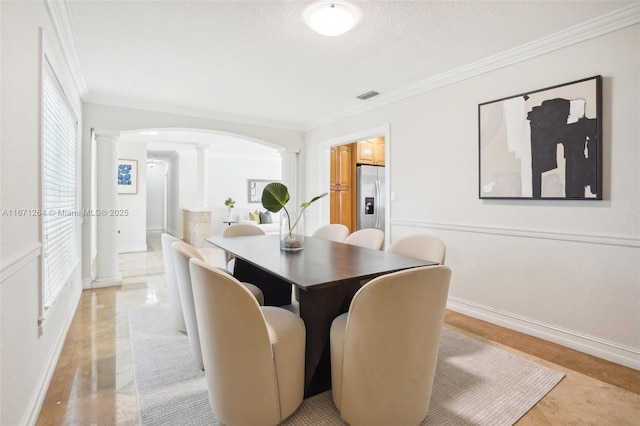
(19, 261)
(612, 240)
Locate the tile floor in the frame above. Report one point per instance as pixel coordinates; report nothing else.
(93, 382)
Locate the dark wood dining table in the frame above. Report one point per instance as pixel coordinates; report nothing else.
(327, 274)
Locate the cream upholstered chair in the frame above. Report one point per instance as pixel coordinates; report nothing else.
(332, 232)
(182, 253)
(253, 356)
(172, 284)
(384, 350)
(420, 246)
(370, 238)
(239, 230)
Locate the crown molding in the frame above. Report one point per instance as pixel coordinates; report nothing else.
(63, 27)
(191, 112)
(604, 24)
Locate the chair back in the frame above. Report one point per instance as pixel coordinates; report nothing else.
(241, 229)
(236, 349)
(420, 246)
(370, 238)
(175, 304)
(182, 253)
(391, 347)
(332, 232)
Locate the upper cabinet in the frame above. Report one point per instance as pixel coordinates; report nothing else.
(370, 151)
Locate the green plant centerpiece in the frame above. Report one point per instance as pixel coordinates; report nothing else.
(230, 203)
(275, 196)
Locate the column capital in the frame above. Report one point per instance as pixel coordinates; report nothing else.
(106, 134)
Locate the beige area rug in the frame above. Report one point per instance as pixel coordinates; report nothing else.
(475, 383)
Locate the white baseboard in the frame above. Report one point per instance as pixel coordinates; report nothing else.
(36, 402)
(597, 347)
(133, 249)
(175, 233)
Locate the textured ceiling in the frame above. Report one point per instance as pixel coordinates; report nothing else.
(258, 60)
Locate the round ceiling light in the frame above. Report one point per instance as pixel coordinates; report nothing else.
(331, 18)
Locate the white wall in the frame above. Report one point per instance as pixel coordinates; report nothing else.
(567, 271)
(228, 177)
(132, 220)
(156, 182)
(28, 355)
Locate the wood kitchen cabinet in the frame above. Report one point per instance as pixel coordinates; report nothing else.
(370, 151)
(342, 191)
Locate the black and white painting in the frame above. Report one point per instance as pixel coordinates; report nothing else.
(544, 144)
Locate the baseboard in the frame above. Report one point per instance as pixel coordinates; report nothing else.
(174, 233)
(43, 387)
(133, 249)
(613, 352)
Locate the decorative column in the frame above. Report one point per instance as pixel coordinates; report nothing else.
(107, 200)
(196, 226)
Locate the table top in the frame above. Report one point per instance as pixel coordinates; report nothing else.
(321, 263)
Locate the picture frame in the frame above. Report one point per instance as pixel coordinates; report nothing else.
(255, 188)
(543, 144)
(127, 171)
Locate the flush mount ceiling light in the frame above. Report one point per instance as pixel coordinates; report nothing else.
(331, 18)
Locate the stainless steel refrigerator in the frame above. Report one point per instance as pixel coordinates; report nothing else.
(370, 201)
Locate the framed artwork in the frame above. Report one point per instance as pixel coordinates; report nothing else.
(127, 176)
(544, 144)
(256, 186)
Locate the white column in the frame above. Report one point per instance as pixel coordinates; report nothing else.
(202, 175)
(107, 199)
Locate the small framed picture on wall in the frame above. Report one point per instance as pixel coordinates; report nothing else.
(127, 176)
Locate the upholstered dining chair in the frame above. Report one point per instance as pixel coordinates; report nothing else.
(238, 230)
(420, 246)
(384, 349)
(332, 232)
(253, 356)
(182, 253)
(175, 304)
(370, 238)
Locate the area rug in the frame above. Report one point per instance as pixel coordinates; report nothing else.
(475, 383)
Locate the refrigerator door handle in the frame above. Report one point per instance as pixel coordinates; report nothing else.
(378, 204)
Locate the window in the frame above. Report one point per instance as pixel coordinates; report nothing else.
(59, 188)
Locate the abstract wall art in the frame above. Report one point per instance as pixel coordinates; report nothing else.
(544, 144)
(127, 176)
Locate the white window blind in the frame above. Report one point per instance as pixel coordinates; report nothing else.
(59, 188)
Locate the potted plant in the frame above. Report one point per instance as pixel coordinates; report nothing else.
(275, 196)
(230, 203)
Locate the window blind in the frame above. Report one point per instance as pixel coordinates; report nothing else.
(59, 188)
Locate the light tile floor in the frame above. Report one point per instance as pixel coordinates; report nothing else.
(93, 382)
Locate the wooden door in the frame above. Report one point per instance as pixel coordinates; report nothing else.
(341, 185)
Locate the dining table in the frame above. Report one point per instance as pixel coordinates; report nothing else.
(327, 275)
